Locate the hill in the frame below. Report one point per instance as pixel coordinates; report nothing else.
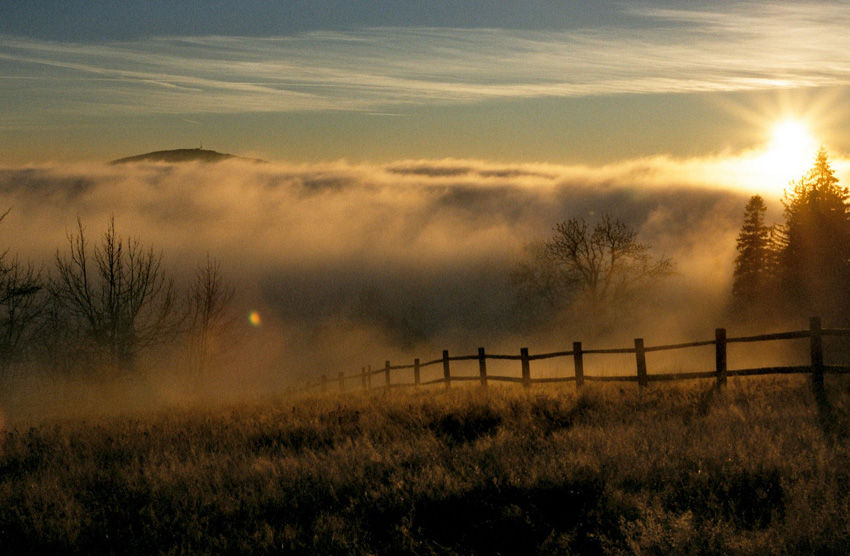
(182, 155)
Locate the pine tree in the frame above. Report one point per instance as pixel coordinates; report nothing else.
(815, 242)
(755, 264)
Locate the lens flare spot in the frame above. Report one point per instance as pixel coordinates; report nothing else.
(254, 319)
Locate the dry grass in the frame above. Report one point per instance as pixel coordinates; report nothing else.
(673, 470)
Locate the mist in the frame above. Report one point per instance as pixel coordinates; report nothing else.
(349, 265)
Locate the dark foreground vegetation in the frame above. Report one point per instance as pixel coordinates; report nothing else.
(674, 469)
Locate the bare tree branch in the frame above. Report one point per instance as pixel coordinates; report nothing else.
(577, 265)
(117, 293)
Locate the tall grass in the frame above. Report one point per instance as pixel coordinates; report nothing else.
(671, 470)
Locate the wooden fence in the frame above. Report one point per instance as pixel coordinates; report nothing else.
(370, 379)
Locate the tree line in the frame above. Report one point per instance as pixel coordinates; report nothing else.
(800, 266)
(797, 268)
(102, 305)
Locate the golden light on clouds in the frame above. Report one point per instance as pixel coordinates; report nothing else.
(783, 131)
(338, 256)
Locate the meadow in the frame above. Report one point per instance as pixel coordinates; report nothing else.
(753, 468)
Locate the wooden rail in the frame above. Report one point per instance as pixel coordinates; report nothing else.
(720, 373)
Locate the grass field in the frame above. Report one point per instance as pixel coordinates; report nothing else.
(672, 470)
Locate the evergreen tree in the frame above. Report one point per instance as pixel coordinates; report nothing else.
(815, 242)
(755, 264)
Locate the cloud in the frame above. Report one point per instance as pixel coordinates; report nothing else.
(742, 47)
(419, 249)
(350, 265)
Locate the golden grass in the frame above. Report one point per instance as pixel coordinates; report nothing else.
(671, 470)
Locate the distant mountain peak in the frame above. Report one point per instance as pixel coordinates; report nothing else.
(182, 155)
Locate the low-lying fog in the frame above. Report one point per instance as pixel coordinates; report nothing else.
(348, 265)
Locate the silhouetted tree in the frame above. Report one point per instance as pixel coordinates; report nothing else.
(815, 242)
(596, 268)
(540, 284)
(21, 304)
(22, 300)
(756, 262)
(116, 294)
(210, 315)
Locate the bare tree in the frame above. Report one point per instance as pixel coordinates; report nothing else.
(540, 284)
(210, 315)
(21, 303)
(580, 266)
(118, 295)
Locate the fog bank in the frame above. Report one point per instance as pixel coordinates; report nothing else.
(352, 264)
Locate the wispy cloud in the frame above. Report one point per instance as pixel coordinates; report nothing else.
(742, 48)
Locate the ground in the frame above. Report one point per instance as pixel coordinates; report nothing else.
(672, 469)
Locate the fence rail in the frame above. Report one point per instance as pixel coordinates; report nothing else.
(720, 373)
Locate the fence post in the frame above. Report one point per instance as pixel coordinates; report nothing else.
(416, 379)
(816, 344)
(363, 377)
(720, 356)
(341, 381)
(369, 377)
(482, 367)
(526, 368)
(446, 371)
(387, 375)
(640, 356)
(578, 359)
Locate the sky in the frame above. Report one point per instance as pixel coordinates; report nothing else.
(376, 81)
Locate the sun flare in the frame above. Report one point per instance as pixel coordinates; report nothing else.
(788, 153)
(791, 138)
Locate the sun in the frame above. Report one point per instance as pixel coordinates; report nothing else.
(791, 138)
(789, 152)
